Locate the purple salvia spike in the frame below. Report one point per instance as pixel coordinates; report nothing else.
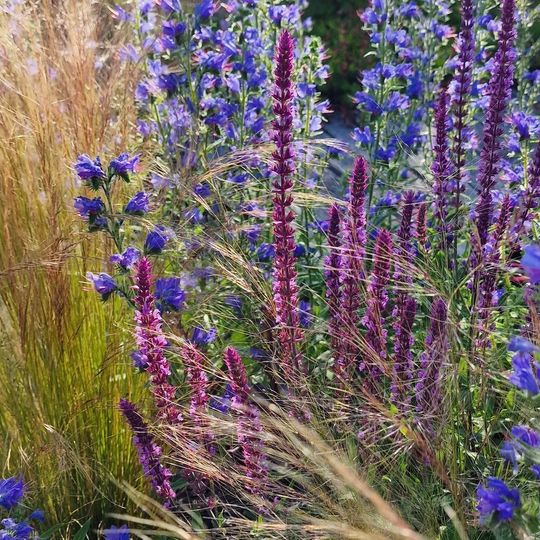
(352, 265)
(531, 197)
(332, 274)
(499, 89)
(403, 357)
(198, 381)
(249, 428)
(152, 343)
(489, 271)
(432, 360)
(421, 226)
(463, 80)
(404, 253)
(441, 168)
(149, 452)
(377, 299)
(285, 287)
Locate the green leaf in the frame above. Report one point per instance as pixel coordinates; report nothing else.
(82, 533)
(49, 533)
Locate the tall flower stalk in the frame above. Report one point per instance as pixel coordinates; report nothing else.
(441, 169)
(530, 199)
(149, 452)
(352, 265)
(198, 381)
(285, 286)
(249, 428)
(428, 386)
(377, 299)
(462, 80)
(499, 90)
(151, 342)
(332, 275)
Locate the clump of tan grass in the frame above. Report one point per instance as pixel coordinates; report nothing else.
(64, 362)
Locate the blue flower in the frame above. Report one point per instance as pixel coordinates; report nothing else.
(88, 207)
(127, 259)
(169, 292)
(203, 337)
(88, 169)
(11, 492)
(222, 403)
(121, 14)
(305, 313)
(205, 9)
(202, 190)
(124, 164)
(156, 240)
(103, 284)
(15, 531)
(169, 6)
(519, 344)
(139, 361)
(510, 454)
(526, 373)
(497, 502)
(235, 302)
(117, 533)
(265, 252)
(138, 205)
(363, 136)
(531, 263)
(37, 515)
(525, 124)
(527, 436)
(535, 469)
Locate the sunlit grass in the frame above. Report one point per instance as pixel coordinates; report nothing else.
(64, 359)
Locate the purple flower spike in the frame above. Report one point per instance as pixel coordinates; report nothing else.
(527, 210)
(149, 452)
(403, 362)
(285, 286)
(332, 275)
(500, 86)
(198, 381)
(441, 168)
(421, 226)
(249, 426)
(428, 387)
(463, 79)
(376, 305)
(352, 266)
(151, 343)
(489, 271)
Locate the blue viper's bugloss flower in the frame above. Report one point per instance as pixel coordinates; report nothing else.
(117, 533)
(124, 164)
(510, 454)
(535, 469)
(222, 403)
(235, 302)
(11, 492)
(363, 136)
(86, 207)
(88, 169)
(519, 344)
(526, 373)
(203, 337)
(202, 190)
(139, 360)
(525, 124)
(527, 436)
(15, 531)
(156, 240)
(37, 515)
(103, 284)
(497, 502)
(170, 293)
(205, 9)
(139, 204)
(265, 252)
(531, 263)
(126, 259)
(305, 313)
